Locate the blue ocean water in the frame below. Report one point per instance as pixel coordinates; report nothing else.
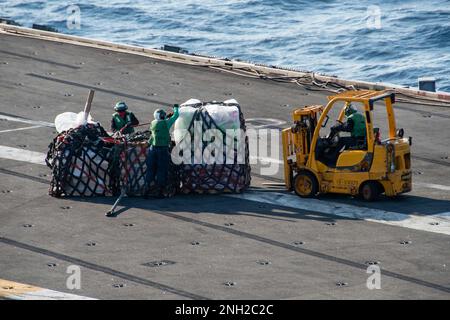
(391, 41)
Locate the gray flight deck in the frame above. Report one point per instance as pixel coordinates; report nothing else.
(266, 251)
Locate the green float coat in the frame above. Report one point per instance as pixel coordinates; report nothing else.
(359, 125)
(160, 136)
(121, 122)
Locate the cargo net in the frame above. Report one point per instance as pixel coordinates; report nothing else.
(87, 162)
(133, 169)
(229, 177)
(82, 163)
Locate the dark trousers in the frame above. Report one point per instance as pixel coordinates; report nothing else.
(157, 165)
(348, 142)
(351, 142)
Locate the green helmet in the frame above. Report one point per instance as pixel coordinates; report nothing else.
(159, 114)
(121, 106)
(349, 109)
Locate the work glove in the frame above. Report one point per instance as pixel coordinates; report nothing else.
(126, 126)
(170, 114)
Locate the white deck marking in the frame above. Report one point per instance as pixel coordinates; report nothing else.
(269, 122)
(22, 155)
(20, 129)
(266, 160)
(22, 120)
(439, 223)
(18, 291)
(432, 186)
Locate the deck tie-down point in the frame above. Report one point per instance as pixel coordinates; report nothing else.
(160, 263)
(230, 284)
(341, 284)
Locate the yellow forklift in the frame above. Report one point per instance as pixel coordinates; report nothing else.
(315, 164)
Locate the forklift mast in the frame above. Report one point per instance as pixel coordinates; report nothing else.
(297, 139)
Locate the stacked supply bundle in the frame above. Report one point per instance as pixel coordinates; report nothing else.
(81, 163)
(203, 171)
(86, 161)
(210, 138)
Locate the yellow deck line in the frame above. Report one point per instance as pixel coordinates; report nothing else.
(11, 290)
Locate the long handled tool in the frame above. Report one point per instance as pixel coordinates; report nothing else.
(135, 126)
(111, 213)
(87, 107)
(123, 191)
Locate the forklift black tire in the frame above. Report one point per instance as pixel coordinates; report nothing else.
(306, 185)
(370, 191)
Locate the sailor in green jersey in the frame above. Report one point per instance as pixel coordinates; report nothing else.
(123, 120)
(158, 152)
(356, 125)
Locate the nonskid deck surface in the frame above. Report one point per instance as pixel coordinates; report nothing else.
(263, 244)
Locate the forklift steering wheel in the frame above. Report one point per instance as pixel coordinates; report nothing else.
(334, 140)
